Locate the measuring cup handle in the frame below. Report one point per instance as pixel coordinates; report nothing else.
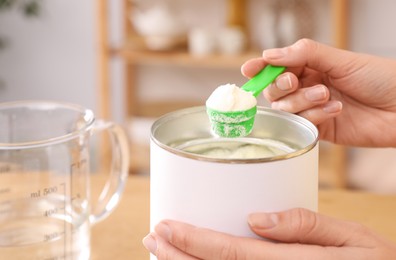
(114, 187)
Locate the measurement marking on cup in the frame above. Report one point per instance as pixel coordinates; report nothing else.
(44, 192)
(78, 196)
(75, 166)
(63, 189)
(53, 235)
(35, 194)
(50, 212)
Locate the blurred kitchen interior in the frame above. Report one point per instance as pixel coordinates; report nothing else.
(58, 54)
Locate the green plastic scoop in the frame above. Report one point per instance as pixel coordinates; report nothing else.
(240, 123)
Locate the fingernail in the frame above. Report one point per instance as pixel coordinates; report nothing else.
(164, 231)
(333, 107)
(263, 220)
(150, 243)
(316, 94)
(274, 53)
(283, 82)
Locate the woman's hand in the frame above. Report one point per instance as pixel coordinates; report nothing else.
(299, 234)
(351, 97)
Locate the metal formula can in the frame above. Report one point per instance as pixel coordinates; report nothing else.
(212, 182)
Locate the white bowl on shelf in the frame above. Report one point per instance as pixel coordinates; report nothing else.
(160, 27)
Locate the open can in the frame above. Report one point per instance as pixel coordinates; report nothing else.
(213, 182)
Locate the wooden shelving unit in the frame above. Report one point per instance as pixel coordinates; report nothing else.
(182, 58)
(133, 58)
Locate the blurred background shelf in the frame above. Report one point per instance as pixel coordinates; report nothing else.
(81, 38)
(333, 158)
(182, 58)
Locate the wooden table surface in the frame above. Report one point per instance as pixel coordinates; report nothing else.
(120, 235)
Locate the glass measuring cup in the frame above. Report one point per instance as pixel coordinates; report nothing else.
(45, 204)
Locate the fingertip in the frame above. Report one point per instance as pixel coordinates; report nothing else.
(274, 54)
(284, 85)
(284, 82)
(263, 220)
(163, 230)
(317, 94)
(150, 243)
(322, 113)
(252, 67)
(243, 67)
(333, 107)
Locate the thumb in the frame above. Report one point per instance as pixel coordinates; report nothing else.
(307, 227)
(314, 55)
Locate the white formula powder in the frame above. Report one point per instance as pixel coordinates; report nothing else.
(239, 148)
(230, 97)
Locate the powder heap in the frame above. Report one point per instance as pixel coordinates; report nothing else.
(229, 97)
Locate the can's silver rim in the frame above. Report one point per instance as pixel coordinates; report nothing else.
(260, 110)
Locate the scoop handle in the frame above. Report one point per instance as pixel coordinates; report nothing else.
(262, 79)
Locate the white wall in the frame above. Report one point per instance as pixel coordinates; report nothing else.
(373, 25)
(53, 57)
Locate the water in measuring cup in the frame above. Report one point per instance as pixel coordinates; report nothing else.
(45, 229)
(238, 148)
